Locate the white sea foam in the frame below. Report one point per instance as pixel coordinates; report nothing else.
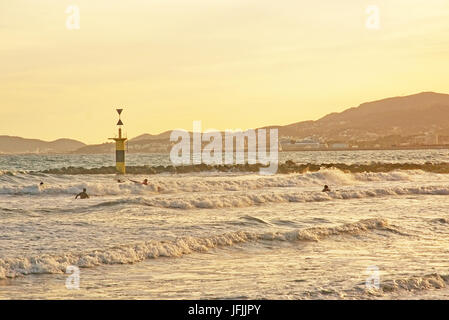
(248, 199)
(105, 185)
(414, 283)
(243, 199)
(126, 254)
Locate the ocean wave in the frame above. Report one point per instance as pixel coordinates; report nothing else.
(441, 220)
(72, 188)
(132, 253)
(241, 200)
(246, 199)
(255, 219)
(414, 283)
(14, 172)
(104, 185)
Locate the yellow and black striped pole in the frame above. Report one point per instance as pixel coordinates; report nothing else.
(120, 147)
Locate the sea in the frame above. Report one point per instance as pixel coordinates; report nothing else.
(225, 235)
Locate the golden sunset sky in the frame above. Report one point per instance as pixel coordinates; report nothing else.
(230, 63)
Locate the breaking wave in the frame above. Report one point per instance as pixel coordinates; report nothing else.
(132, 253)
(14, 173)
(105, 185)
(414, 283)
(187, 201)
(250, 199)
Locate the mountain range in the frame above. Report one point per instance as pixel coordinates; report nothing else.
(18, 145)
(406, 116)
(425, 113)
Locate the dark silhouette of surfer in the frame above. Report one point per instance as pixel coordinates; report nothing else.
(82, 195)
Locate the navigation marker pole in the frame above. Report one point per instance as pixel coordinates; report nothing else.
(120, 146)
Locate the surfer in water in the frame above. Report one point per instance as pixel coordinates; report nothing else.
(144, 182)
(326, 188)
(82, 195)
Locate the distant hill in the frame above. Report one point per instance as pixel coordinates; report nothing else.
(107, 147)
(17, 145)
(390, 121)
(410, 115)
(147, 136)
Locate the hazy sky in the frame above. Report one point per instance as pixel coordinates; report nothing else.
(230, 63)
